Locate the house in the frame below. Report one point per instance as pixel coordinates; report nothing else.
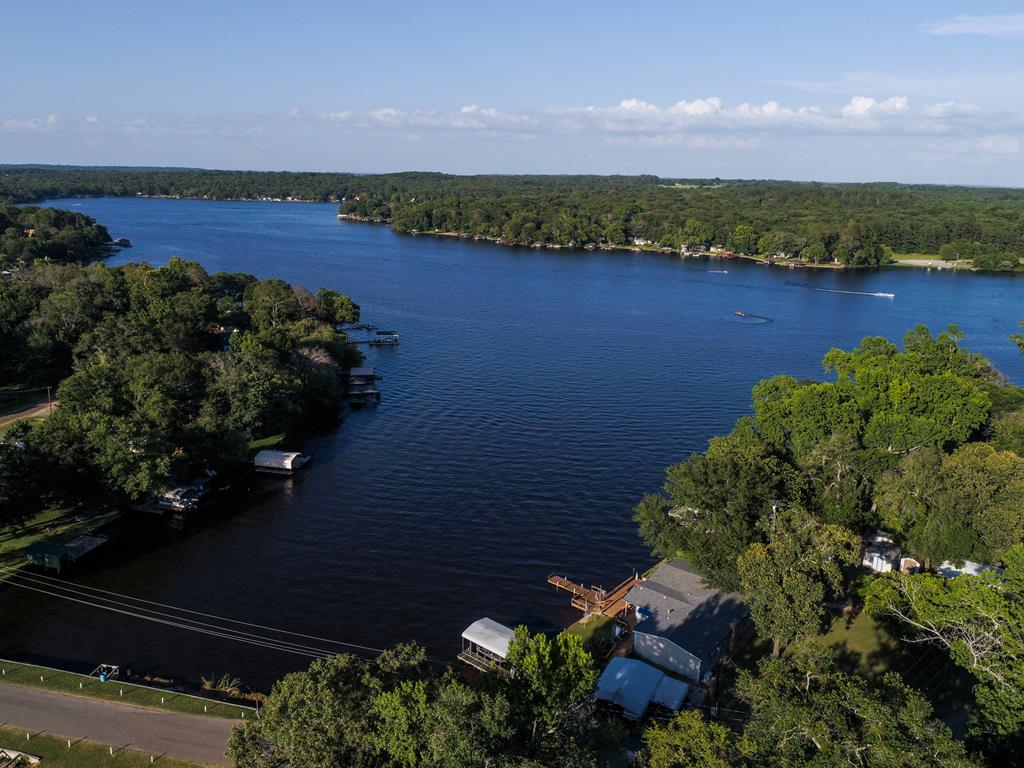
(683, 625)
(881, 555)
(641, 241)
(485, 644)
(633, 686)
(279, 462)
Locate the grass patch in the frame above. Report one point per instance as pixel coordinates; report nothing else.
(50, 523)
(28, 676)
(32, 421)
(255, 446)
(592, 629)
(866, 647)
(82, 754)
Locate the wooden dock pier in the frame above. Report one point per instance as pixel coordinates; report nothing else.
(595, 599)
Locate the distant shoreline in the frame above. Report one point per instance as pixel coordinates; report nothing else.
(916, 263)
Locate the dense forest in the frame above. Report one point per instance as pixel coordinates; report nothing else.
(851, 224)
(925, 443)
(161, 374)
(28, 233)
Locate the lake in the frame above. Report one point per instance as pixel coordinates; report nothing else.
(535, 397)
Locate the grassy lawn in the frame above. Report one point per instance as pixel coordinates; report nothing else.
(592, 629)
(82, 754)
(255, 446)
(28, 676)
(33, 421)
(50, 523)
(866, 647)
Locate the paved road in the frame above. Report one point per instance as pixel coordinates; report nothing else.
(190, 737)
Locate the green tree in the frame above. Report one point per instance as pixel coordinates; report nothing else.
(713, 500)
(271, 303)
(786, 580)
(334, 308)
(804, 713)
(743, 240)
(689, 740)
(550, 690)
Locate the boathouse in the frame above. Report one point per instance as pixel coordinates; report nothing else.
(485, 644)
(279, 462)
(58, 555)
(683, 625)
(362, 386)
(633, 686)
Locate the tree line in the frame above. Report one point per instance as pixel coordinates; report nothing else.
(401, 711)
(851, 224)
(29, 233)
(161, 374)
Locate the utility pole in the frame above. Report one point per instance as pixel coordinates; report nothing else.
(49, 400)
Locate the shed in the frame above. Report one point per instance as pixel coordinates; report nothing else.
(279, 462)
(881, 555)
(634, 686)
(484, 643)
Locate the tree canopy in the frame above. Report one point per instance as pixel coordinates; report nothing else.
(161, 373)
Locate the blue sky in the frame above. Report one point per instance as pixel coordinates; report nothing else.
(905, 91)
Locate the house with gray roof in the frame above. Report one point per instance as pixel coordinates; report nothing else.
(683, 625)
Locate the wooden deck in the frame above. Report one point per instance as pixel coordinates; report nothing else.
(595, 599)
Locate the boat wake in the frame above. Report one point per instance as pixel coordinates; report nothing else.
(718, 271)
(749, 319)
(878, 294)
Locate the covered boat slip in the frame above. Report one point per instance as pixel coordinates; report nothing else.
(634, 686)
(485, 644)
(279, 462)
(57, 555)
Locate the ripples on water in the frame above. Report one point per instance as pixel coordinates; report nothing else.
(534, 398)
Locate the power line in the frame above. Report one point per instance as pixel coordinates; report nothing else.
(193, 628)
(87, 592)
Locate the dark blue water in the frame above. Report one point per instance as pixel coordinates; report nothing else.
(535, 397)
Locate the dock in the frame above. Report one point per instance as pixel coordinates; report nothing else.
(595, 599)
(362, 386)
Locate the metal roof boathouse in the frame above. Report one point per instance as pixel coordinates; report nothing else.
(485, 644)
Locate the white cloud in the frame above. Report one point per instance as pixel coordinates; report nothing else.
(31, 125)
(707, 123)
(999, 25)
(950, 109)
(864, 106)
